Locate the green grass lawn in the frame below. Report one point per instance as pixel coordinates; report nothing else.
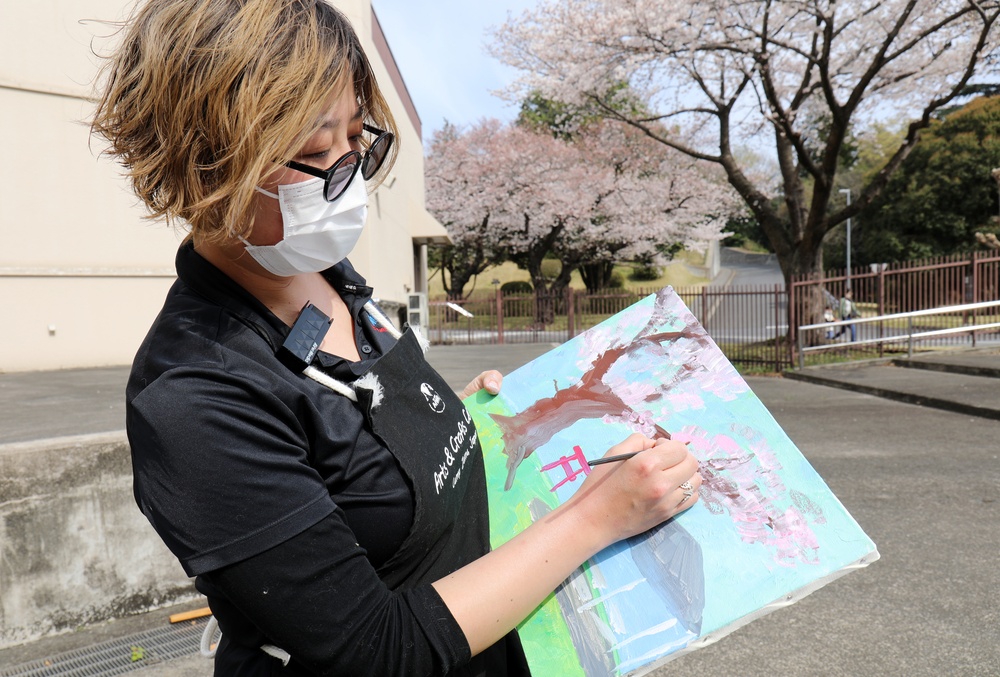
(676, 274)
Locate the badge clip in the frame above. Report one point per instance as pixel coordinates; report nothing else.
(304, 339)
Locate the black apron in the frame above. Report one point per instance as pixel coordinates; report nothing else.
(423, 424)
(426, 427)
(430, 433)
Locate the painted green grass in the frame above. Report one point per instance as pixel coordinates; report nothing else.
(544, 633)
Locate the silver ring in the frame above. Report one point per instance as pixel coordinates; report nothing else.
(688, 490)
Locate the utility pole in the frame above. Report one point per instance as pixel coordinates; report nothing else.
(996, 177)
(847, 192)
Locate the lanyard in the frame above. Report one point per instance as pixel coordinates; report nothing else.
(346, 390)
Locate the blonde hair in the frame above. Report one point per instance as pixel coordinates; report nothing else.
(203, 97)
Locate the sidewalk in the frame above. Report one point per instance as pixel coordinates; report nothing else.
(77, 402)
(966, 381)
(85, 401)
(924, 483)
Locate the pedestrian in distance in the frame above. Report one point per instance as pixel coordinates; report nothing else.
(848, 311)
(298, 487)
(828, 317)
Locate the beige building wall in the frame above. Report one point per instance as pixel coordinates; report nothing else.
(82, 274)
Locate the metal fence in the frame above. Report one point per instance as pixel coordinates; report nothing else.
(901, 288)
(909, 328)
(749, 323)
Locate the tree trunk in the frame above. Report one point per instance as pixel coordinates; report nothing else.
(531, 260)
(805, 260)
(597, 276)
(458, 280)
(462, 264)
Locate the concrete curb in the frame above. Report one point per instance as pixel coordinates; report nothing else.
(64, 442)
(839, 376)
(967, 369)
(909, 398)
(76, 551)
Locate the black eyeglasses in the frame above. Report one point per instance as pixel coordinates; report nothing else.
(337, 178)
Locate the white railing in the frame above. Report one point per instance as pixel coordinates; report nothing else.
(910, 336)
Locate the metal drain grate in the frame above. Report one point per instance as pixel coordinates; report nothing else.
(118, 656)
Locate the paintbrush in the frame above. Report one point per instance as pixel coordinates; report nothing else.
(619, 457)
(612, 459)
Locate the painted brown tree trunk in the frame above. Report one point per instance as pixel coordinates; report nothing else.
(589, 398)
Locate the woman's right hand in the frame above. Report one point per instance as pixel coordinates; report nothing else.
(494, 593)
(631, 496)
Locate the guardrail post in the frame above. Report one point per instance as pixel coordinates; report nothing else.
(570, 314)
(909, 332)
(881, 307)
(975, 291)
(499, 315)
(798, 343)
(777, 322)
(704, 308)
(791, 318)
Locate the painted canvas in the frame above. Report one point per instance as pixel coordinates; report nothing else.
(766, 531)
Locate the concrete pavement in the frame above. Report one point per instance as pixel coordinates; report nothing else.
(963, 381)
(923, 482)
(925, 486)
(42, 404)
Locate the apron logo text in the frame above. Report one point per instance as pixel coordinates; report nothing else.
(434, 401)
(460, 445)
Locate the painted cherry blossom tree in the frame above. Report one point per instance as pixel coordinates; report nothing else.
(739, 467)
(793, 77)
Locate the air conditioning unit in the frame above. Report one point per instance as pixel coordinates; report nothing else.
(416, 311)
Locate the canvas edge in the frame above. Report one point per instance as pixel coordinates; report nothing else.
(785, 600)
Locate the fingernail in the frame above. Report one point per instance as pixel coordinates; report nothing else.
(492, 386)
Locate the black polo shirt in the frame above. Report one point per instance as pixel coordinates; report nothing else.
(232, 452)
(268, 487)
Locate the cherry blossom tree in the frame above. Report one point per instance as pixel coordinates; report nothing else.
(463, 195)
(604, 193)
(549, 196)
(791, 76)
(680, 201)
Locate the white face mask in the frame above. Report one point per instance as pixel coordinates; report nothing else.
(317, 233)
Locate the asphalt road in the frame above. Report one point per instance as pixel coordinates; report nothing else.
(923, 483)
(925, 486)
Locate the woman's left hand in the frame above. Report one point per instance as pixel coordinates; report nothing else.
(490, 380)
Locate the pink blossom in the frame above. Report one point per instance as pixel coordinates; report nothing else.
(740, 480)
(608, 194)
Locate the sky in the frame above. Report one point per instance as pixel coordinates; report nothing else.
(440, 49)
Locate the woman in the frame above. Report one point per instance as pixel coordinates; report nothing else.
(294, 485)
